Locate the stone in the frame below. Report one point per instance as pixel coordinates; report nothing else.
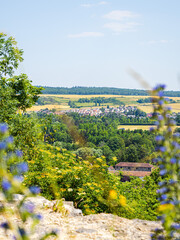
(75, 226)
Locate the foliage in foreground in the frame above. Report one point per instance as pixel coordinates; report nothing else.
(89, 184)
(12, 170)
(168, 148)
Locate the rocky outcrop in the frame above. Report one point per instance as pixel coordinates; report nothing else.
(71, 224)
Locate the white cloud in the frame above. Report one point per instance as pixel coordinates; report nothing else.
(121, 21)
(86, 34)
(88, 5)
(102, 3)
(121, 27)
(120, 15)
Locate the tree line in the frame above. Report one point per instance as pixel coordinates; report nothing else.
(102, 90)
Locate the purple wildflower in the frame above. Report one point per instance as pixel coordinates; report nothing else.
(166, 99)
(2, 145)
(162, 190)
(4, 225)
(159, 138)
(6, 185)
(162, 149)
(22, 167)
(176, 145)
(176, 135)
(28, 207)
(169, 129)
(9, 139)
(164, 197)
(163, 172)
(161, 184)
(151, 129)
(22, 232)
(37, 216)
(160, 94)
(172, 122)
(176, 226)
(3, 128)
(19, 153)
(161, 102)
(34, 190)
(163, 86)
(172, 160)
(161, 166)
(172, 181)
(160, 118)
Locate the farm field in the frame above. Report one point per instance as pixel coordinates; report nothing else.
(137, 127)
(134, 127)
(60, 102)
(49, 106)
(148, 107)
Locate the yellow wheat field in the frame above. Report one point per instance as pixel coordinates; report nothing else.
(38, 108)
(134, 127)
(148, 108)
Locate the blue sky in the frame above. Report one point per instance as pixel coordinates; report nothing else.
(94, 43)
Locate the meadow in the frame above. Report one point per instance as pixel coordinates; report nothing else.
(60, 102)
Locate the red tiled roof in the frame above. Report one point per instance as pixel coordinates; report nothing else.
(132, 173)
(132, 164)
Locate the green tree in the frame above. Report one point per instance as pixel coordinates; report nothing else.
(131, 154)
(16, 92)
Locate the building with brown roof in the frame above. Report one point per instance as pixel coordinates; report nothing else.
(131, 166)
(132, 169)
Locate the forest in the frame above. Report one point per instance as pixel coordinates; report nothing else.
(102, 90)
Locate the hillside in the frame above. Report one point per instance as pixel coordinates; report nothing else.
(101, 91)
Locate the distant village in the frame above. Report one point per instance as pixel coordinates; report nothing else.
(121, 110)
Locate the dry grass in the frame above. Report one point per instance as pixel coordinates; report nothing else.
(148, 107)
(38, 108)
(134, 127)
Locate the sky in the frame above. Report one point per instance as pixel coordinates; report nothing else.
(70, 43)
